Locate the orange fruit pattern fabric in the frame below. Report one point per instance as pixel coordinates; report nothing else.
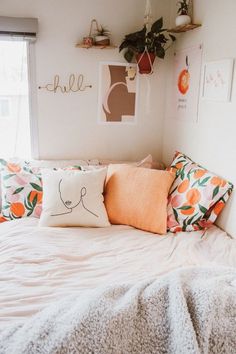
(22, 190)
(21, 194)
(197, 196)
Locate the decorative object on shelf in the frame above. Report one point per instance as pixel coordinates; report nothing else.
(89, 40)
(102, 36)
(184, 20)
(98, 36)
(117, 93)
(217, 83)
(186, 87)
(183, 17)
(79, 45)
(75, 84)
(146, 45)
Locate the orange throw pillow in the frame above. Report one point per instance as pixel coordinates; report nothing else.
(138, 197)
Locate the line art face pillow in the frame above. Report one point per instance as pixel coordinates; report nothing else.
(137, 197)
(73, 198)
(197, 196)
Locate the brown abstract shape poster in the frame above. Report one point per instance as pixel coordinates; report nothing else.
(117, 93)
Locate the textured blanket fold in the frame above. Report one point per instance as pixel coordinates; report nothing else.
(188, 311)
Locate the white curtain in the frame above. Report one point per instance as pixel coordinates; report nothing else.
(14, 99)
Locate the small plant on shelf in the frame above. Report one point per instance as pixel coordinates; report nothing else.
(183, 7)
(183, 17)
(146, 45)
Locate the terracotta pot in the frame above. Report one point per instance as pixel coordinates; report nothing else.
(145, 62)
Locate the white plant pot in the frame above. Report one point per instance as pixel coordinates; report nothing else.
(102, 40)
(182, 20)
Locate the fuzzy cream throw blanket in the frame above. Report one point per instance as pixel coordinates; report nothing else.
(188, 311)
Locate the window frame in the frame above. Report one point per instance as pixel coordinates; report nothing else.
(32, 94)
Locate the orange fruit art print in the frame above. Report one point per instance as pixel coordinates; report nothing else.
(184, 79)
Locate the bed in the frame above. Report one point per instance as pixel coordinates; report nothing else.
(41, 265)
(114, 289)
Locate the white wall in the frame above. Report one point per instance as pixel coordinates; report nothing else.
(212, 141)
(68, 123)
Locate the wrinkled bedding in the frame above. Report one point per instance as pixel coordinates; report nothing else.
(39, 266)
(188, 311)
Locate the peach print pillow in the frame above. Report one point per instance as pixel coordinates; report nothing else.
(197, 196)
(138, 197)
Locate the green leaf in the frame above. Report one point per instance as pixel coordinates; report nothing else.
(173, 190)
(184, 227)
(157, 26)
(182, 174)
(176, 215)
(3, 162)
(18, 190)
(8, 176)
(195, 183)
(160, 52)
(27, 203)
(186, 207)
(34, 202)
(190, 221)
(129, 54)
(204, 181)
(215, 191)
(30, 212)
(203, 209)
(37, 187)
(173, 38)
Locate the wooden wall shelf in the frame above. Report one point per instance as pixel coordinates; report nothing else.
(81, 45)
(185, 28)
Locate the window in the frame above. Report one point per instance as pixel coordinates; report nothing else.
(14, 99)
(4, 107)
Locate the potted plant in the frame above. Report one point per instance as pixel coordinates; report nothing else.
(146, 45)
(183, 18)
(102, 36)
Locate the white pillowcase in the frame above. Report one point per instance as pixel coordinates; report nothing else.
(73, 198)
(62, 163)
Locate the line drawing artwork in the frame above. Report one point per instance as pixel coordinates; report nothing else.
(217, 80)
(67, 203)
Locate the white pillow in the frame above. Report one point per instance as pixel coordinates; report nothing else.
(73, 198)
(61, 163)
(146, 162)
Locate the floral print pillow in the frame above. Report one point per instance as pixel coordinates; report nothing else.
(21, 189)
(197, 196)
(21, 195)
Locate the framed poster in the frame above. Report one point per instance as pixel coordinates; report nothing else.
(186, 83)
(117, 101)
(217, 82)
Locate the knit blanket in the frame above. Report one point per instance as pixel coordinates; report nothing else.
(188, 311)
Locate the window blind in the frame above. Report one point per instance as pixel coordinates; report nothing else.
(18, 27)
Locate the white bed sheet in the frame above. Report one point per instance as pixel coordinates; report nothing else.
(41, 265)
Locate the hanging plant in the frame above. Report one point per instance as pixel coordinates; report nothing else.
(145, 45)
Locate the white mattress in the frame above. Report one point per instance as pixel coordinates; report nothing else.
(41, 265)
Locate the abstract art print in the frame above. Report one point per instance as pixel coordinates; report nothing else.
(117, 93)
(217, 82)
(186, 83)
